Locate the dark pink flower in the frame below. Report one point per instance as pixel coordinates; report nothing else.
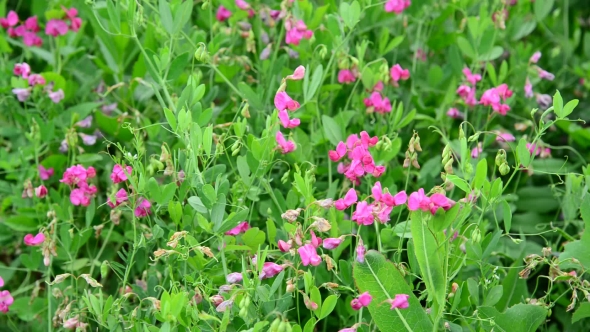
(361, 301)
(80, 197)
(31, 39)
(32, 25)
(239, 229)
(471, 78)
(120, 198)
(36, 79)
(284, 145)
(44, 173)
(143, 208)
(397, 73)
(378, 103)
(284, 102)
(315, 241)
(56, 28)
(284, 246)
(345, 76)
(296, 31)
(119, 174)
(418, 201)
(455, 114)
(34, 240)
(222, 14)
(363, 215)
(41, 191)
(286, 122)
(22, 69)
(74, 175)
(10, 20)
(339, 153)
(349, 199)
(397, 6)
(309, 255)
(6, 301)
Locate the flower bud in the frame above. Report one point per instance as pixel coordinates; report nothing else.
(201, 53)
(476, 235)
(500, 157)
(504, 169)
(449, 166)
(468, 170)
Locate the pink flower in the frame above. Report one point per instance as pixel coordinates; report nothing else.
(397, 6)
(234, 278)
(332, 243)
(296, 31)
(88, 139)
(21, 94)
(345, 76)
(36, 79)
(223, 306)
(400, 301)
(1, 282)
(337, 154)
(455, 114)
(6, 301)
(298, 74)
(239, 229)
(33, 241)
(533, 149)
(349, 329)
(378, 103)
(505, 137)
(378, 86)
(349, 199)
(74, 175)
(119, 174)
(471, 78)
(242, 4)
(397, 72)
(90, 172)
(545, 74)
(31, 24)
(79, 197)
(85, 123)
(143, 208)
(56, 28)
(222, 14)
(545, 153)
(56, 96)
(528, 89)
(418, 201)
(10, 20)
(41, 191)
(490, 97)
(360, 251)
(45, 174)
(284, 102)
(284, 246)
(361, 301)
(309, 255)
(120, 198)
(284, 145)
(535, 57)
(315, 241)
(216, 300)
(286, 122)
(270, 270)
(503, 91)
(476, 150)
(440, 201)
(31, 39)
(363, 215)
(22, 69)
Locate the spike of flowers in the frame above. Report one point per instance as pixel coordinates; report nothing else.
(360, 160)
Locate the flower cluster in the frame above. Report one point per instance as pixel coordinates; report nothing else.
(495, 96)
(27, 30)
(23, 70)
(77, 177)
(6, 299)
(361, 301)
(381, 207)
(361, 161)
(397, 6)
(541, 73)
(419, 201)
(467, 90)
(284, 103)
(347, 76)
(223, 14)
(296, 30)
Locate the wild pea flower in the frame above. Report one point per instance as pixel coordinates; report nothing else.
(286, 122)
(120, 198)
(31, 39)
(543, 100)
(528, 89)
(345, 76)
(493, 97)
(34, 240)
(397, 6)
(533, 149)
(455, 113)
(1, 282)
(505, 137)
(309, 255)
(72, 15)
(545, 153)
(88, 139)
(223, 306)
(535, 57)
(284, 102)
(332, 243)
(400, 301)
(360, 251)
(56, 28)
(6, 301)
(361, 160)
(284, 145)
(77, 174)
(418, 201)
(315, 241)
(377, 103)
(296, 30)
(80, 196)
(397, 73)
(22, 94)
(475, 152)
(41, 191)
(265, 54)
(298, 74)
(22, 69)
(284, 246)
(270, 270)
(222, 14)
(56, 96)
(543, 74)
(234, 277)
(363, 215)
(239, 229)
(216, 300)
(143, 208)
(10, 20)
(119, 174)
(36, 79)
(349, 199)
(471, 78)
(361, 301)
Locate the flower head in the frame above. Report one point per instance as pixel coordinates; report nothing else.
(332, 243)
(345, 76)
(119, 174)
(44, 173)
(120, 198)
(222, 14)
(270, 270)
(234, 277)
(284, 102)
(22, 69)
(400, 301)
(56, 96)
(143, 208)
(309, 255)
(34, 240)
(397, 6)
(349, 199)
(41, 191)
(535, 57)
(298, 74)
(56, 28)
(6, 301)
(284, 145)
(286, 122)
(397, 73)
(239, 229)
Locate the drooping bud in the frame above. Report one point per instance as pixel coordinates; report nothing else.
(500, 157)
(504, 169)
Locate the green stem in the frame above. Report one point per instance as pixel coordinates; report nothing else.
(104, 244)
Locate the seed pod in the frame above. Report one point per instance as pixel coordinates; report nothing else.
(449, 166)
(274, 327)
(417, 144)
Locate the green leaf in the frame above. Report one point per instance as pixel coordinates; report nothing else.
(558, 105)
(579, 249)
(232, 220)
(253, 238)
(494, 295)
(515, 289)
(210, 193)
(182, 15)
(582, 312)
(170, 118)
(252, 98)
(350, 13)
(175, 211)
(519, 318)
(383, 281)
(315, 83)
(90, 211)
(569, 107)
(197, 204)
(503, 71)
(332, 130)
(217, 213)
(21, 223)
(492, 73)
(208, 139)
(328, 306)
(395, 42)
(543, 8)
(493, 54)
(523, 153)
(166, 16)
(481, 171)
(524, 30)
(428, 254)
(465, 47)
(507, 213)
(460, 183)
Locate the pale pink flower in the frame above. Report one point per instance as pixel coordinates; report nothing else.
(216, 300)
(397, 73)
(543, 74)
(88, 139)
(544, 100)
(242, 4)
(535, 57)
(56, 96)
(239, 229)
(34, 240)
(222, 14)
(270, 270)
(223, 306)
(36, 79)
(143, 208)
(400, 301)
(56, 28)
(332, 243)
(120, 198)
(45, 174)
(528, 89)
(471, 78)
(476, 151)
(360, 251)
(284, 102)
(533, 149)
(345, 76)
(286, 122)
(234, 277)
(41, 191)
(119, 174)
(284, 145)
(349, 199)
(298, 74)
(284, 246)
(85, 123)
(455, 113)
(397, 6)
(22, 69)
(315, 241)
(505, 137)
(21, 94)
(309, 255)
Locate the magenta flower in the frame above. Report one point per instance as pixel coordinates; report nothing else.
(36, 79)
(339, 153)
(397, 6)
(332, 243)
(397, 73)
(286, 122)
(45, 174)
(10, 20)
(418, 201)
(143, 208)
(440, 201)
(72, 16)
(284, 145)
(471, 78)
(361, 301)
(455, 114)
(270, 270)
(31, 39)
(222, 14)
(21, 94)
(309, 255)
(476, 151)
(22, 69)
(284, 102)
(378, 103)
(363, 215)
(74, 175)
(56, 28)
(80, 197)
(239, 229)
(120, 198)
(56, 96)
(283, 246)
(41, 191)
(6, 301)
(32, 24)
(400, 301)
(296, 31)
(349, 199)
(528, 89)
(345, 76)
(234, 277)
(298, 74)
(1, 282)
(315, 241)
(119, 174)
(535, 57)
(33, 241)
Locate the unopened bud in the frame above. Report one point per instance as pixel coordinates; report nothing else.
(417, 144)
(449, 166)
(461, 133)
(504, 169)
(476, 235)
(500, 157)
(468, 170)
